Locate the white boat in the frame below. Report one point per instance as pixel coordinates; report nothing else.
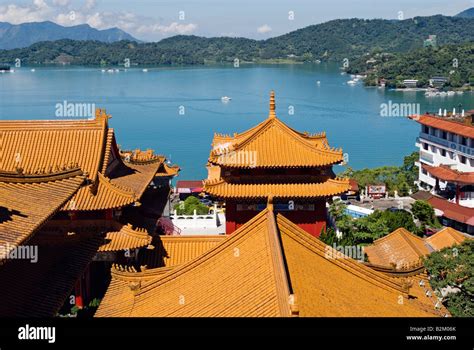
(318, 83)
(459, 92)
(144, 70)
(352, 82)
(225, 98)
(33, 70)
(110, 70)
(443, 94)
(451, 93)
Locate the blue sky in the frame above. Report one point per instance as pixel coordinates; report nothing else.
(155, 19)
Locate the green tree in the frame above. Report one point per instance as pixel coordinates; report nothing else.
(189, 205)
(424, 212)
(453, 268)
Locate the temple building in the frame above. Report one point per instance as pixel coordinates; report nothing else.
(271, 160)
(446, 167)
(67, 189)
(402, 250)
(268, 267)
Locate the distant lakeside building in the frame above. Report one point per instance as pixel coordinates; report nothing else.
(446, 167)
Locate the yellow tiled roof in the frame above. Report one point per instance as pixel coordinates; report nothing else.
(273, 144)
(268, 267)
(223, 189)
(447, 237)
(400, 248)
(341, 287)
(176, 250)
(167, 170)
(50, 145)
(241, 276)
(28, 201)
(126, 238)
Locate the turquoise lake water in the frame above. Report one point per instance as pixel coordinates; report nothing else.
(146, 106)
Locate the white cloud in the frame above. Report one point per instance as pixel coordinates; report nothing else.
(90, 4)
(62, 3)
(264, 29)
(63, 13)
(36, 12)
(173, 28)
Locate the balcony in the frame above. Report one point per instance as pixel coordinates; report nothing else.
(450, 145)
(426, 157)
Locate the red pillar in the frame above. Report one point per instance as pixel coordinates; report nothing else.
(109, 214)
(230, 217)
(78, 294)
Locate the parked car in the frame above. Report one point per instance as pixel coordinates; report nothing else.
(206, 201)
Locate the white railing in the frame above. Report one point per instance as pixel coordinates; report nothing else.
(195, 220)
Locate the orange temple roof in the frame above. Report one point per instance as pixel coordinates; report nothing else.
(170, 251)
(399, 248)
(125, 238)
(27, 201)
(402, 249)
(330, 187)
(48, 145)
(273, 144)
(268, 267)
(445, 238)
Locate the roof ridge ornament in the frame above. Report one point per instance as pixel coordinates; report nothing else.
(270, 202)
(272, 105)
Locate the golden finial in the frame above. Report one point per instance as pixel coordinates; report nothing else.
(270, 202)
(272, 105)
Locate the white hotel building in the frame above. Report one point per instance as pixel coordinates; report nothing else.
(446, 167)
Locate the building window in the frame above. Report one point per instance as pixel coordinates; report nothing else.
(444, 135)
(433, 149)
(443, 152)
(426, 129)
(433, 131)
(452, 137)
(472, 143)
(464, 141)
(424, 172)
(425, 146)
(463, 159)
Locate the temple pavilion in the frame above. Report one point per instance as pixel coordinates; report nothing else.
(67, 188)
(269, 267)
(274, 160)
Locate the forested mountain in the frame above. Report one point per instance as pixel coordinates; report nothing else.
(454, 62)
(25, 34)
(330, 41)
(469, 13)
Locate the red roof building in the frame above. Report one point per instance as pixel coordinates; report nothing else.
(446, 167)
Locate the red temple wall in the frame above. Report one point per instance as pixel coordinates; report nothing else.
(310, 221)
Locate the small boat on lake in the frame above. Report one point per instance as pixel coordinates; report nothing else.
(4, 68)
